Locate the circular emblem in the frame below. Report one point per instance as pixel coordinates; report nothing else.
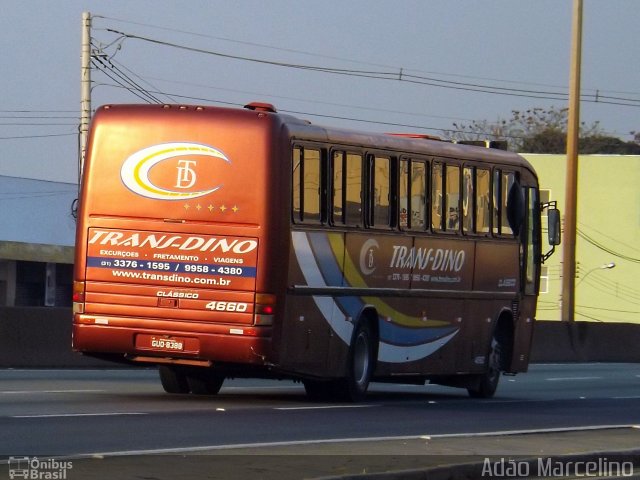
(178, 162)
(367, 256)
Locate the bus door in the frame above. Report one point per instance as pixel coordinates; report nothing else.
(530, 277)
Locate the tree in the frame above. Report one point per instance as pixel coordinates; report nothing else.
(538, 130)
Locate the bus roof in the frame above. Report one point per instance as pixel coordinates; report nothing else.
(402, 143)
(300, 129)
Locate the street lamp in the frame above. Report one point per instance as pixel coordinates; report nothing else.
(606, 266)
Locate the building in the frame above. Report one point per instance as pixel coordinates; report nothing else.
(607, 243)
(36, 242)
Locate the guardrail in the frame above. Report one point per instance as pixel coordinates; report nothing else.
(40, 337)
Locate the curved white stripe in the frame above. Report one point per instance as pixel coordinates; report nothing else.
(397, 354)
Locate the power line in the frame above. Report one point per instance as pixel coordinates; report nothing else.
(39, 117)
(388, 75)
(296, 99)
(37, 136)
(142, 79)
(37, 111)
(614, 239)
(104, 65)
(318, 115)
(598, 93)
(604, 248)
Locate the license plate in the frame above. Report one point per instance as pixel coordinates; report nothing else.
(153, 342)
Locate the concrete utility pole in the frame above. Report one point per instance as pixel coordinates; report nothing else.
(571, 190)
(85, 90)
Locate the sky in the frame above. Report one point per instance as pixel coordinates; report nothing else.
(380, 65)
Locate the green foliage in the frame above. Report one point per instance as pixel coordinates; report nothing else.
(539, 130)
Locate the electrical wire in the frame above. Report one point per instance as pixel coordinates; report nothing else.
(604, 248)
(387, 75)
(122, 79)
(597, 92)
(139, 77)
(17, 137)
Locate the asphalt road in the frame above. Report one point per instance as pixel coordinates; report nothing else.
(102, 413)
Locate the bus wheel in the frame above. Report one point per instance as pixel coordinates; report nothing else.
(360, 368)
(485, 385)
(173, 380)
(205, 382)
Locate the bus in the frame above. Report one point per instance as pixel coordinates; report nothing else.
(242, 242)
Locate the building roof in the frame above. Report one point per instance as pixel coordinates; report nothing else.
(36, 218)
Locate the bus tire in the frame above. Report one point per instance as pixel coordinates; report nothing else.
(205, 383)
(486, 384)
(360, 366)
(173, 380)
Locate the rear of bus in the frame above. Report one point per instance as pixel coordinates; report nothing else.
(172, 260)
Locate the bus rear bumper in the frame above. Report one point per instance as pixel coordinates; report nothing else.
(246, 345)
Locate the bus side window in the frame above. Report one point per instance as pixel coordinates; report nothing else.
(468, 200)
(508, 180)
(347, 189)
(353, 206)
(496, 201)
(306, 185)
(483, 205)
(413, 194)
(296, 201)
(418, 195)
(403, 194)
(311, 186)
(337, 188)
(436, 197)
(379, 191)
(453, 198)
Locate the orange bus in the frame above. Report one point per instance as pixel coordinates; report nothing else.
(217, 243)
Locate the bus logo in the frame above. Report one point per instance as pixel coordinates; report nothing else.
(161, 172)
(367, 258)
(186, 175)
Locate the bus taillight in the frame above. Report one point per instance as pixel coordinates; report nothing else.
(78, 297)
(265, 309)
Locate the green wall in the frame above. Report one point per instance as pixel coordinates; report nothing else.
(608, 222)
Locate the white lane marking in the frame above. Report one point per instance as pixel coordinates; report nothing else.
(22, 392)
(569, 379)
(326, 407)
(159, 451)
(284, 389)
(59, 415)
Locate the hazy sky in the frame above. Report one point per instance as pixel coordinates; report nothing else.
(429, 63)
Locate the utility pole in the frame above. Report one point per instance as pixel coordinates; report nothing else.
(85, 90)
(571, 189)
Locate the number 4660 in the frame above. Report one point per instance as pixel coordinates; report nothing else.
(227, 306)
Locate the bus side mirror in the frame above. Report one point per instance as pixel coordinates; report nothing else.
(553, 215)
(553, 228)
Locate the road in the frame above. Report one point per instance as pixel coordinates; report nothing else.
(105, 412)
